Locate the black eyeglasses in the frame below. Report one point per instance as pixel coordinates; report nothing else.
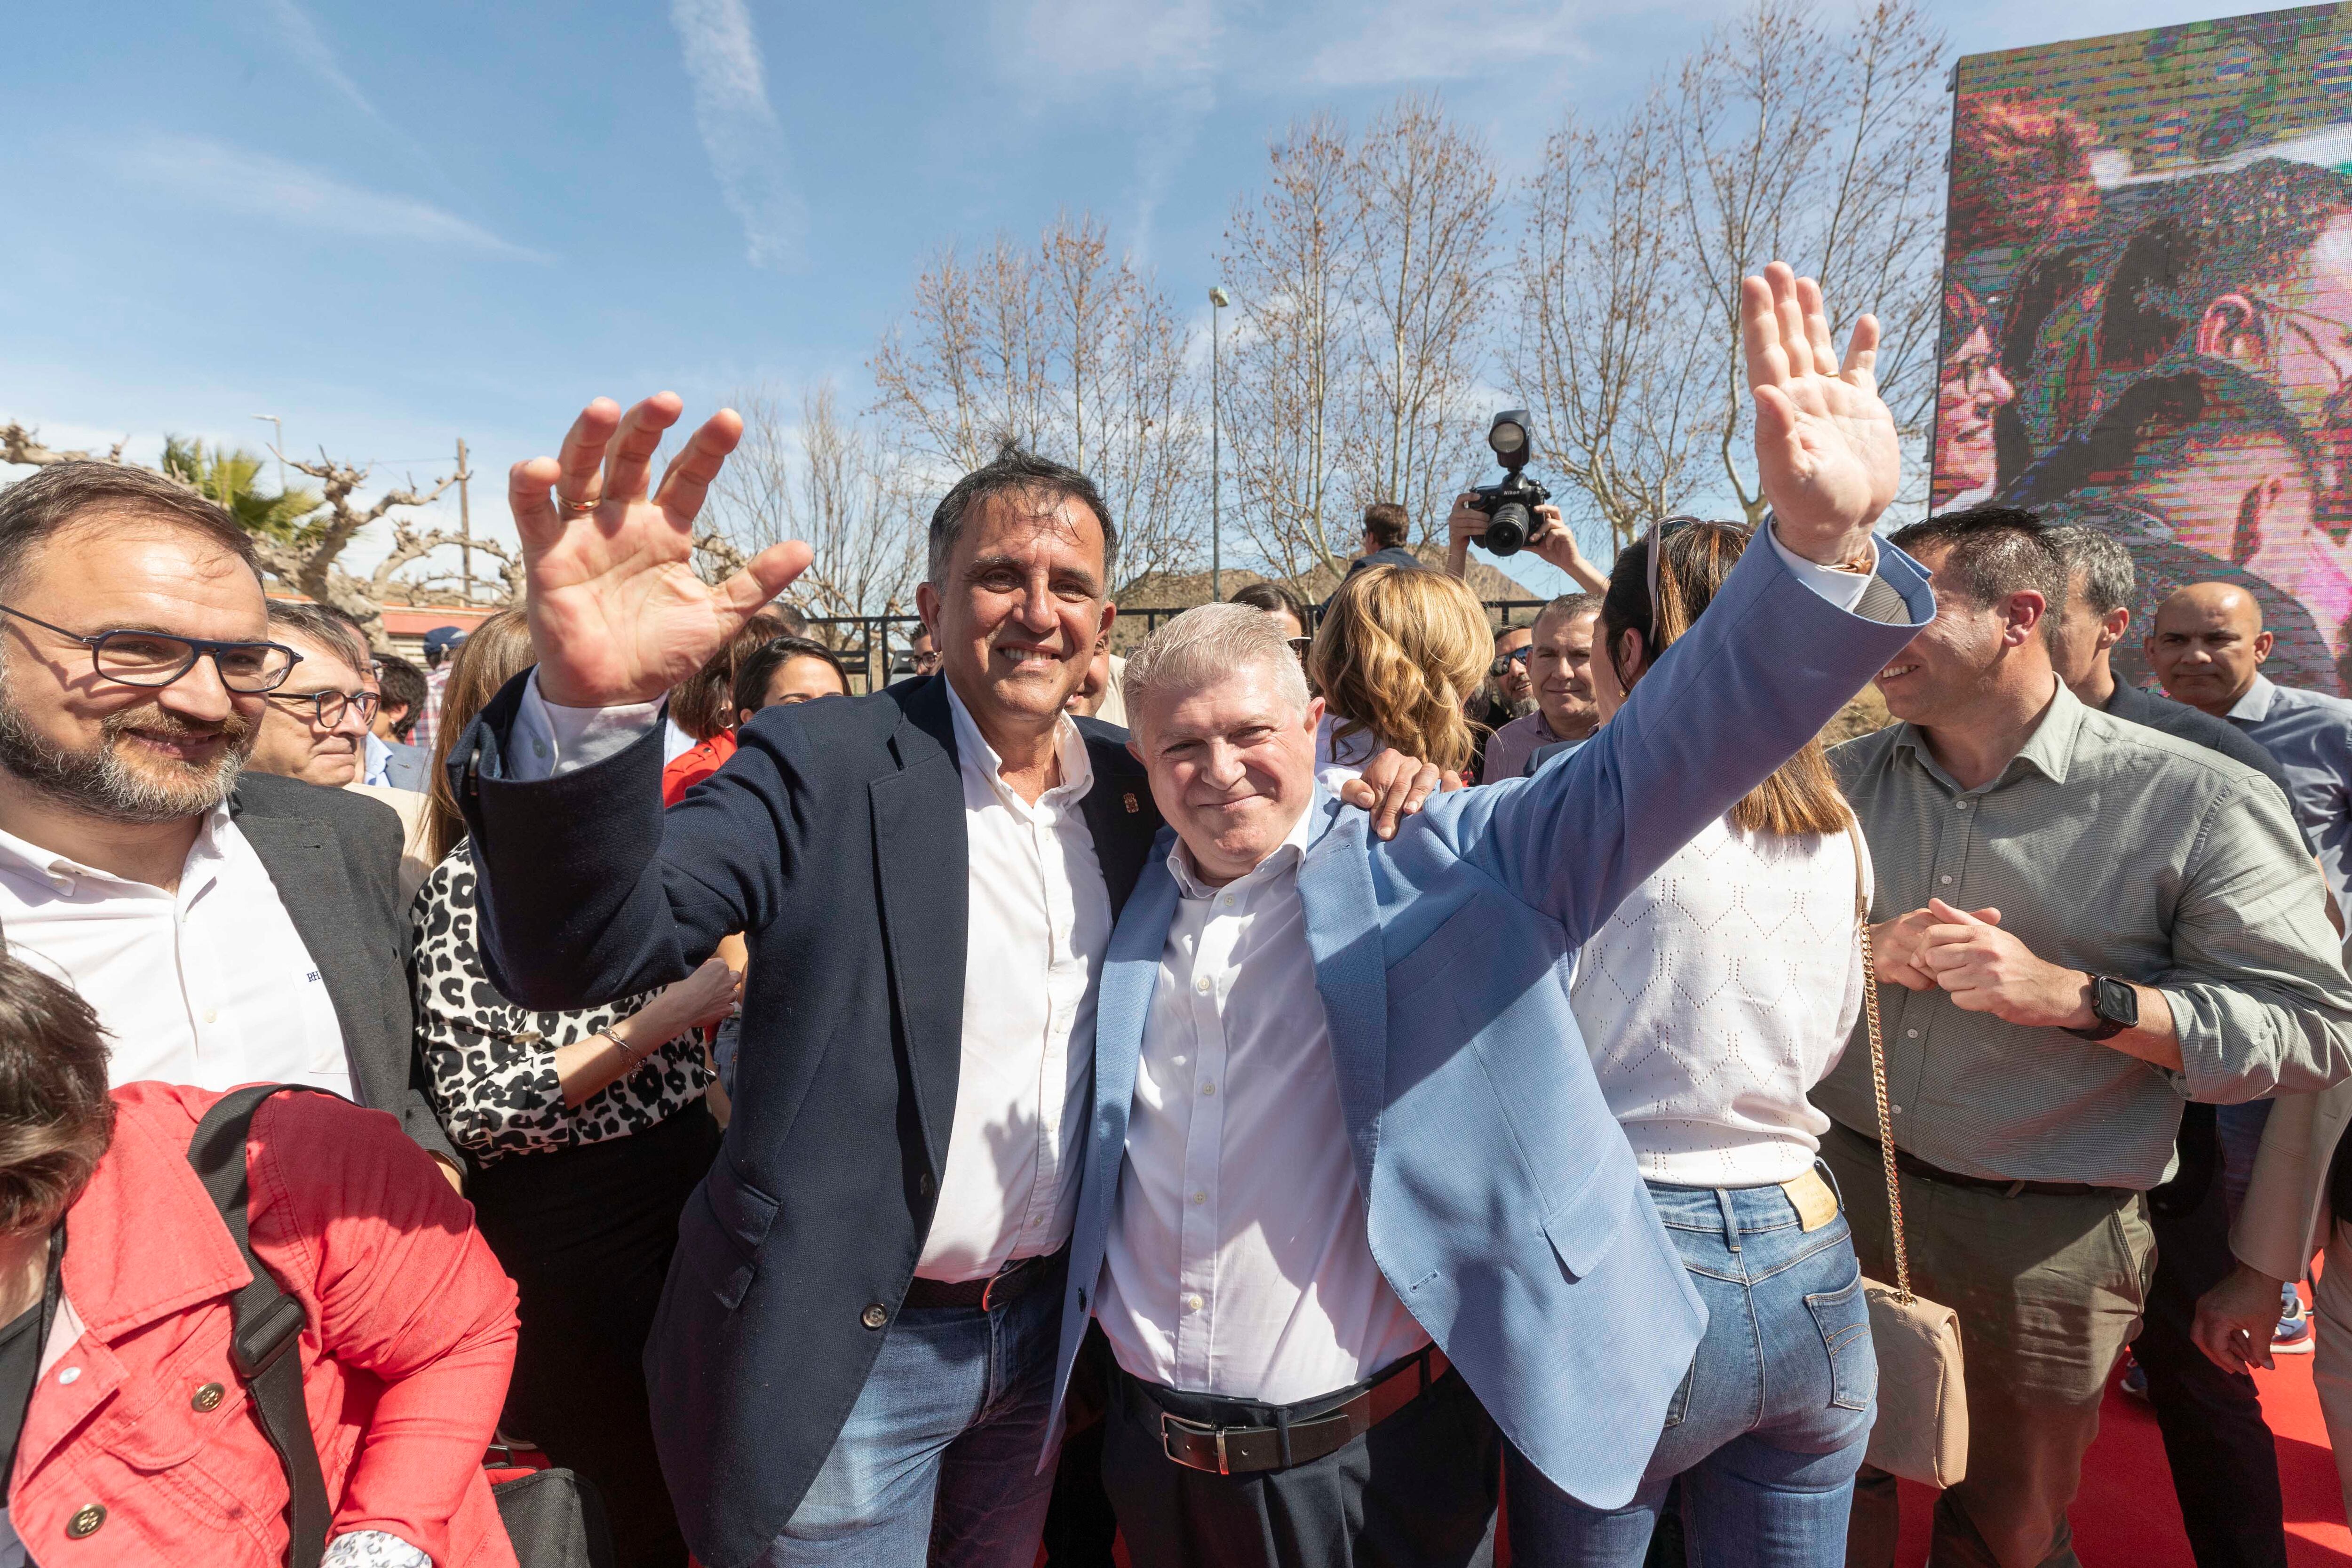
(331, 706)
(158, 659)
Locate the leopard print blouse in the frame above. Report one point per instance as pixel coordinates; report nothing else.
(491, 1064)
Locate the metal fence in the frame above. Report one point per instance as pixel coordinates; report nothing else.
(867, 643)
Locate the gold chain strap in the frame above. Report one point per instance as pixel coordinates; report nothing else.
(1878, 1071)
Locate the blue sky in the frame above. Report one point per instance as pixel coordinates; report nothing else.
(397, 225)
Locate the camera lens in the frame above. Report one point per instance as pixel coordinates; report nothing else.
(1506, 530)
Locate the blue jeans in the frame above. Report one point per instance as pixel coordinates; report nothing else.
(943, 1457)
(1770, 1422)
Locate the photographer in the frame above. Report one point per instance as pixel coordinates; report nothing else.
(1466, 525)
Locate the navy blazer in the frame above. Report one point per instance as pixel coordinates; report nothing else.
(835, 840)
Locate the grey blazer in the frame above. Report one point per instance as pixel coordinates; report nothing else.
(335, 857)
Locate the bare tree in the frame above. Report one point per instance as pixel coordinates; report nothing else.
(1291, 361)
(824, 481)
(1069, 350)
(1424, 195)
(1825, 152)
(1612, 344)
(309, 559)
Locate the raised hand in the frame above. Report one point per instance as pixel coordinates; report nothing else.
(615, 608)
(1827, 453)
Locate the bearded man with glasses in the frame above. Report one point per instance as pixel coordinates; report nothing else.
(228, 926)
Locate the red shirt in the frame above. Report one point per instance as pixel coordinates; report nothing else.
(690, 767)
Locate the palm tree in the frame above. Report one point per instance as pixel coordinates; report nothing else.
(228, 477)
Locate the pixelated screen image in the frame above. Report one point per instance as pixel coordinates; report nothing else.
(2148, 309)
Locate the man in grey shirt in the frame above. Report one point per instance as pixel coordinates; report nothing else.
(2084, 923)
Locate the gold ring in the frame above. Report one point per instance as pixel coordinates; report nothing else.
(571, 507)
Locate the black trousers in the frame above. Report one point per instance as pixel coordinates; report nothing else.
(1416, 1491)
(2224, 1459)
(587, 1234)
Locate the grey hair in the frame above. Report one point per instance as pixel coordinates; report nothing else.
(1017, 472)
(2110, 580)
(321, 626)
(1204, 643)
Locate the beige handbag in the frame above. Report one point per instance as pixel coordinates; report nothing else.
(1922, 1433)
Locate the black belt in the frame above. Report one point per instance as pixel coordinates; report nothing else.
(1241, 1450)
(1911, 1164)
(1009, 1283)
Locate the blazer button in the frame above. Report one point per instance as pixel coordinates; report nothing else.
(86, 1520)
(874, 1317)
(209, 1397)
(923, 1185)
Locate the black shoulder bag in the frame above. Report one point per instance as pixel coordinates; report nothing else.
(553, 1517)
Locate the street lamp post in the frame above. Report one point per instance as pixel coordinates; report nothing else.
(1218, 300)
(278, 446)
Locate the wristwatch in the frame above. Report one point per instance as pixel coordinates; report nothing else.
(2117, 1006)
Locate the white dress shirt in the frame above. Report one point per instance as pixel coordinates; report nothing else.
(1039, 922)
(1237, 1262)
(210, 985)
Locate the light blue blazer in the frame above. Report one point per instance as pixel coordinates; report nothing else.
(1503, 1203)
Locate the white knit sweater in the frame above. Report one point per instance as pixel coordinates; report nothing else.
(1720, 992)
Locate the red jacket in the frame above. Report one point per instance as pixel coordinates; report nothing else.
(404, 1360)
(690, 767)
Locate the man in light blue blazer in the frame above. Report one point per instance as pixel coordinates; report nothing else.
(1352, 1199)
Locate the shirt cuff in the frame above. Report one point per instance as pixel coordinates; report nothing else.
(549, 740)
(1843, 589)
(373, 1549)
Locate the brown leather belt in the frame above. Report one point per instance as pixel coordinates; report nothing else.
(1008, 1284)
(1243, 1450)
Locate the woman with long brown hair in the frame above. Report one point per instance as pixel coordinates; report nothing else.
(587, 1130)
(1712, 1001)
(1399, 652)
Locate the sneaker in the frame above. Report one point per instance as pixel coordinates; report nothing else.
(2293, 1335)
(2136, 1380)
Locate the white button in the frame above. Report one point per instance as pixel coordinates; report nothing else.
(1910, 1033)
(212, 1015)
(1192, 1303)
(1946, 880)
(1200, 1197)
(1960, 805)
(1898, 1110)
(1208, 1089)
(1204, 985)
(69, 1374)
(1227, 900)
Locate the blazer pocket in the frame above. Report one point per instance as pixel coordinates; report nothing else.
(721, 1231)
(1583, 1226)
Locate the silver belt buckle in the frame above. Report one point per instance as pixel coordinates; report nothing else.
(1196, 1428)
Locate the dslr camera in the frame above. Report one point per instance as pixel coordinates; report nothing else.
(1510, 507)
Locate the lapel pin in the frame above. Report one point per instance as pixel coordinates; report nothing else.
(1132, 809)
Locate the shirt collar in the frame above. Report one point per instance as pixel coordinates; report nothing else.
(25, 858)
(1285, 858)
(2048, 751)
(2255, 705)
(976, 756)
(378, 757)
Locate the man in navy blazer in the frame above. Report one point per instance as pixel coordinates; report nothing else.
(1349, 1177)
(853, 1356)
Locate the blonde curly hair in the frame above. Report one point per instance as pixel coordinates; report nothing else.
(1400, 651)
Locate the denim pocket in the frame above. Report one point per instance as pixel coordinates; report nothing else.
(1679, 1407)
(1843, 1319)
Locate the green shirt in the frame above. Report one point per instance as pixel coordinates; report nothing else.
(2112, 848)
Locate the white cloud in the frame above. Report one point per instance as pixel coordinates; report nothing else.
(740, 134)
(1151, 41)
(229, 180)
(1426, 40)
(300, 37)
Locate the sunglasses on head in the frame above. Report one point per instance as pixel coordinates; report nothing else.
(1665, 528)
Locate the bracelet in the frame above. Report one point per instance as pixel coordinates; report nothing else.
(620, 1044)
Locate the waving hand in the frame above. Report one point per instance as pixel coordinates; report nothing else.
(617, 610)
(1826, 449)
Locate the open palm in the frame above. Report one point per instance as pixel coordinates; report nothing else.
(1827, 452)
(617, 610)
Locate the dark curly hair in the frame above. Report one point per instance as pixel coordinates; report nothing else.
(56, 1118)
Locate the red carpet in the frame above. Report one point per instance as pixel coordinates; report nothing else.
(2125, 1516)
